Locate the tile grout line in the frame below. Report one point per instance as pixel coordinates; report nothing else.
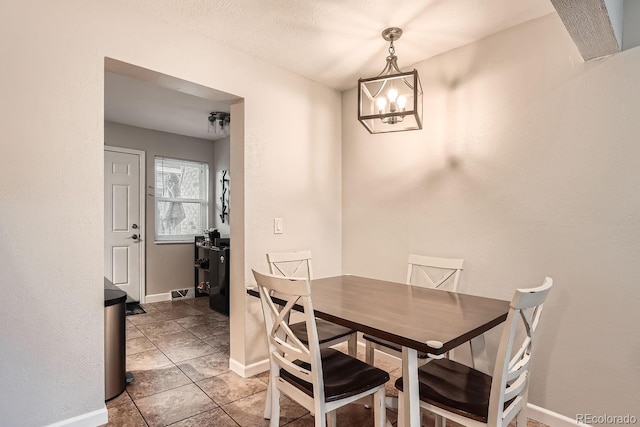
(174, 364)
(137, 409)
(185, 374)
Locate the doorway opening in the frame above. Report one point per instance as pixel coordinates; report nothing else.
(163, 117)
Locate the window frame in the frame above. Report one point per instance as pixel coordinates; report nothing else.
(205, 203)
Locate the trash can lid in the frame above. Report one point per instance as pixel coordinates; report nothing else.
(114, 296)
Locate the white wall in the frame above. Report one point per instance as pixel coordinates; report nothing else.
(527, 166)
(168, 266)
(51, 200)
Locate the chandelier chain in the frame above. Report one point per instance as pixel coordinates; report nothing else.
(392, 50)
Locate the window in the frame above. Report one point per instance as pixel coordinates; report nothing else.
(182, 199)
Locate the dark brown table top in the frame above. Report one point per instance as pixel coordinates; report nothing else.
(407, 315)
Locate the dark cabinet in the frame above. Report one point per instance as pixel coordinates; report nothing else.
(211, 265)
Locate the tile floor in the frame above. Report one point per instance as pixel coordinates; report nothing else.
(178, 353)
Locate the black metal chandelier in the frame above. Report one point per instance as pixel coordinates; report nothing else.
(391, 101)
(219, 123)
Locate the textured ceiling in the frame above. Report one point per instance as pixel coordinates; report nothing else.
(334, 42)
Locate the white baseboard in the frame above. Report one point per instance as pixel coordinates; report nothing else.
(246, 371)
(90, 419)
(550, 418)
(157, 298)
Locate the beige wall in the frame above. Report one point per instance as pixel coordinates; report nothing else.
(51, 164)
(169, 266)
(527, 166)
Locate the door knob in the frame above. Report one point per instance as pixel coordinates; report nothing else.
(134, 237)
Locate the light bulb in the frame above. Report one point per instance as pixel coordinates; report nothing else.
(402, 102)
(392, 95)
(382, 103)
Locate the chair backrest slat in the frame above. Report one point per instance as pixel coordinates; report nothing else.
(521, 366)
(447, 269)
(511, 373)
(280, 334)
(290, 264)
(515, 388)
(293, 368)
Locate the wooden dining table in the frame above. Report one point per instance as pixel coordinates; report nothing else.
(418, 319)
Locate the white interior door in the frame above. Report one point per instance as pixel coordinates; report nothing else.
(123, 245)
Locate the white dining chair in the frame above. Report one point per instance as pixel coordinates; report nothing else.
(321, 380)
(424, 271)
(298, 264)
(472, 398)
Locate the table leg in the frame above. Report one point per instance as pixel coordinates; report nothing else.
(410, 394)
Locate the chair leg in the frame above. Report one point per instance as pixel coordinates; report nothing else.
(320, 419)
(400, 409)
(368, 352)
(479, 358)
(368, 357)
(331, 419)
(379, 408)
(275, 407)
(521, 418)
(267, 402)
(353, 345)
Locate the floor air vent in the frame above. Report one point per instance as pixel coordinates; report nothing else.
(182, 294)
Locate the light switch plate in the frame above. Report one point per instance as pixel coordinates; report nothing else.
(277, 226)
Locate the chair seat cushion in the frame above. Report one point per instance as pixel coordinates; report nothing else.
(455, 387)
(391, 345)
(327, 331)
(343, 376)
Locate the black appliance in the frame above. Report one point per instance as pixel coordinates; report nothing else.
(212, 273)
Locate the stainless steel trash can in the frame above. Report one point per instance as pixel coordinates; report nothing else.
(114, 343)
